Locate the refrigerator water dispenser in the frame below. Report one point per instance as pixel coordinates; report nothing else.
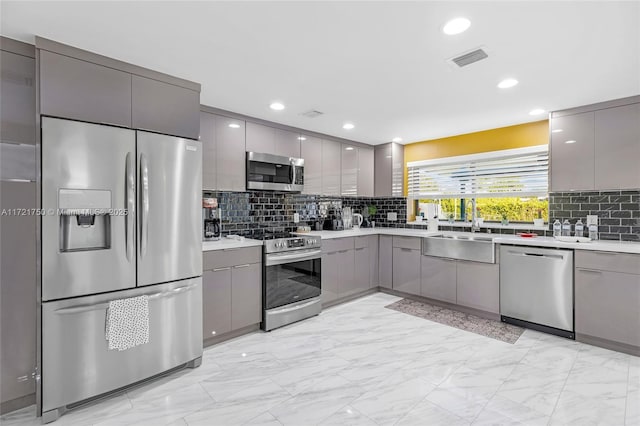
(85, 219)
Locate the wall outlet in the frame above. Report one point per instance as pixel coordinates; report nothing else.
(592, 219)
(296, 217)
(391, 216)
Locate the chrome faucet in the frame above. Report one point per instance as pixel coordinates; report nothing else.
(474, 220)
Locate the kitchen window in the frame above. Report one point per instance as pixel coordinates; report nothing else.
(511, 184)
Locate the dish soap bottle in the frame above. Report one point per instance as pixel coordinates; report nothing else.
(579, 228)
(557, 228)
(566, 228)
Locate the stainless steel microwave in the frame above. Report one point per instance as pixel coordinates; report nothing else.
(274, 172)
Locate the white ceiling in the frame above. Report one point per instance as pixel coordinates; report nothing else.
(380, 65)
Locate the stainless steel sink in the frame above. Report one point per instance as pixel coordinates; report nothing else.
(478, 248)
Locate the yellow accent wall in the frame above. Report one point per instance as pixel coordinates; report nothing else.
(519, 136)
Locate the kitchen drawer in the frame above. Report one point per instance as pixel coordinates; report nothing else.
(361, 242)
(413, 243)
(231, 257)
(608, 261)
(337, 244)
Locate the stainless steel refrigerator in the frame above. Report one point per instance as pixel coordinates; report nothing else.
(121, 219)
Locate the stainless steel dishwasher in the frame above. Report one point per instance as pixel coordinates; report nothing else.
(536, 288)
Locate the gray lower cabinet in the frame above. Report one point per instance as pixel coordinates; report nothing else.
(164, 108)
(362, 271)
(246, 295)
(331, 167)
(216, 298)
(17, 292)
(71, 88)
(18, 100)
(438, 278)
(607, 296)
(231, 290)
(478, 285)
(406, 270)
(617, 147)
(330, 276)
(385, 261)
(372, 243)
(311, 151)
(347, 284)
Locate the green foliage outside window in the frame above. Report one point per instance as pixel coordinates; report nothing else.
(515, 209)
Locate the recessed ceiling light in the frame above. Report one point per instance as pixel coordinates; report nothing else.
(277, 106)
(556, 131)
(571, 141)
(537, 111)
(396, 139)
(456, 26)
(349, 148)
(302, 138)
(348, 126)
(234, 125)
(507, 83)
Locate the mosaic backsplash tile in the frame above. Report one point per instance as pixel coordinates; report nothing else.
(619, 211)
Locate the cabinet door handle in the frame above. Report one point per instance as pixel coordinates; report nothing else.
(360, 248)
(405, 249)
(246, 265)
(591, 271)
(343, 251)
(222, 269)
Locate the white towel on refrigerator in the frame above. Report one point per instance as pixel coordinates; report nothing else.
(127, 323)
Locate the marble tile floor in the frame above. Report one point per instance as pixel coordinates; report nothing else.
(362, 364)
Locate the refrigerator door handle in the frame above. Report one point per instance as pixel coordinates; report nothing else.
(130, 185)
(104, 305)
(144, 200)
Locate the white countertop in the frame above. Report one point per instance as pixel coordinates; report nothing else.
(228, 243)
(615, 246)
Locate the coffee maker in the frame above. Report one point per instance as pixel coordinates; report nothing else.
(210, 219)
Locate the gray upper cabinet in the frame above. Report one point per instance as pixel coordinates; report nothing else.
(311, 152)
(331, 167)
(18, 100)
(572, 148)
(164, 108)
(349, 171)
(287, 143)
(365, 172)
(389, 170)
(617, 147)
(209, 156)
(230, 154)
(71, 88)
(596, 147)
(438, 278)
(261, 138)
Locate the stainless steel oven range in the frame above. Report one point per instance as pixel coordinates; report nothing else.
(291, 280)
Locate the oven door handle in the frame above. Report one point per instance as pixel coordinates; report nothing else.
(279, 259)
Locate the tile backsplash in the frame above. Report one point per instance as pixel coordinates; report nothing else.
(254, 213)
(618, 211)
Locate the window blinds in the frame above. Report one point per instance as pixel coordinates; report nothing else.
(521, 172)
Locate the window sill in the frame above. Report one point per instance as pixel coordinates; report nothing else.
(491, 225)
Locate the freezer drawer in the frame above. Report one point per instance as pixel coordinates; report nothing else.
(76, 361)
(536, 286)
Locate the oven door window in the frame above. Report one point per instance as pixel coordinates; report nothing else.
(292, 282)
(270, 173)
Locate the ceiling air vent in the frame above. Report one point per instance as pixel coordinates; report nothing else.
(470, 57)
(312, 113)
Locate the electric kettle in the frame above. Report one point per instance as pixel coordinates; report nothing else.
(357, 220)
